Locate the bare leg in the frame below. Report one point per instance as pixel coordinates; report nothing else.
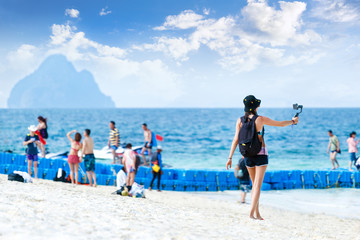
(252, 177)
(114, 155)
(335, 160)
(149, 151)
(131, 179)
(89, 177)
(94, 178)
(76, 173)
(243, 195)
(71, 172)
(143, 155)
(42, 147)
(332, 160)
(257, 176)
(29, 167)
(35, 169)
(350, 167)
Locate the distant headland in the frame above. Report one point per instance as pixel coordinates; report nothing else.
(57, 84)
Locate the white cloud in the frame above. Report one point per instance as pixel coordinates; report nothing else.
(77, 46)
(71, 12)
(265, 24)
(262, 34)
(186, 19)
(104, 11)
(340, 11)
(61, 33)
(206, 11)
(122, 79)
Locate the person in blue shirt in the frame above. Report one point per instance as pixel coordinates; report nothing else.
(156, 165)
(32, 141)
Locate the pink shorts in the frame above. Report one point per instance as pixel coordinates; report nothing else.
(73, 159)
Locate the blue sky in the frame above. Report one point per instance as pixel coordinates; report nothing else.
(192, 53)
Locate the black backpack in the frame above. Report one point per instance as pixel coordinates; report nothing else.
(15, 177)
(62, 178)
(249, 143)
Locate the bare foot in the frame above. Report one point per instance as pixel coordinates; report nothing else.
(351, 170)
(149, 188)
(259, 218)
(159, 190)
(95, 185)
(252, 217)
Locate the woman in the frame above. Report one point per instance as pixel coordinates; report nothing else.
(73, 158)
(42, 131)
(256, 165)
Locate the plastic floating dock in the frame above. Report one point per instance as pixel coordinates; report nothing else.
(192, 179)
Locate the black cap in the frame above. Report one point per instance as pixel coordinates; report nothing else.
(251, 103)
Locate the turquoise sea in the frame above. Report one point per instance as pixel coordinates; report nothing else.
(193, 138)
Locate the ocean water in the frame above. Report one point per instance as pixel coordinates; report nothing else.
(193, 138)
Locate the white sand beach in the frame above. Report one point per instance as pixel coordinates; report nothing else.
(52, 210)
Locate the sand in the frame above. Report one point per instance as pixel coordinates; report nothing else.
(52, 210)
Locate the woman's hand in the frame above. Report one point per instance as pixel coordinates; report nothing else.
(228, 164)
(295, 120)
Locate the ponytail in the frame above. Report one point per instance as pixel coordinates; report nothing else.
(247, 114)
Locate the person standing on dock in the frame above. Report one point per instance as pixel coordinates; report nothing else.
(148, 143)
(89, 157)
(156, 165)
(334, 146)
(256, 162)
(31, 141)
(114, 140)
(73, 157)
(352, 149)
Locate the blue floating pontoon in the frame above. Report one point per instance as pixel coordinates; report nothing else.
(192, 179)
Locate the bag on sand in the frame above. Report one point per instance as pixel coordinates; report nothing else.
(60, 176)
(15, 177)
(249, 143)
(137, 191)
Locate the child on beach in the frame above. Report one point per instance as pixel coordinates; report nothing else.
(73, 158)
(156, 165)
(32, 141)
(42, 130)
(129, 160)
(242, 174)
(352, 149)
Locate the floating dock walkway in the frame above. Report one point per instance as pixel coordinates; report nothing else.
(192, 179)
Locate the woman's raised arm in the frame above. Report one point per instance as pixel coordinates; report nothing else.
(68, 135)
(270, 122)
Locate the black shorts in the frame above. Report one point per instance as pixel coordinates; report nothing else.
(146, 145)
(258, 160)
